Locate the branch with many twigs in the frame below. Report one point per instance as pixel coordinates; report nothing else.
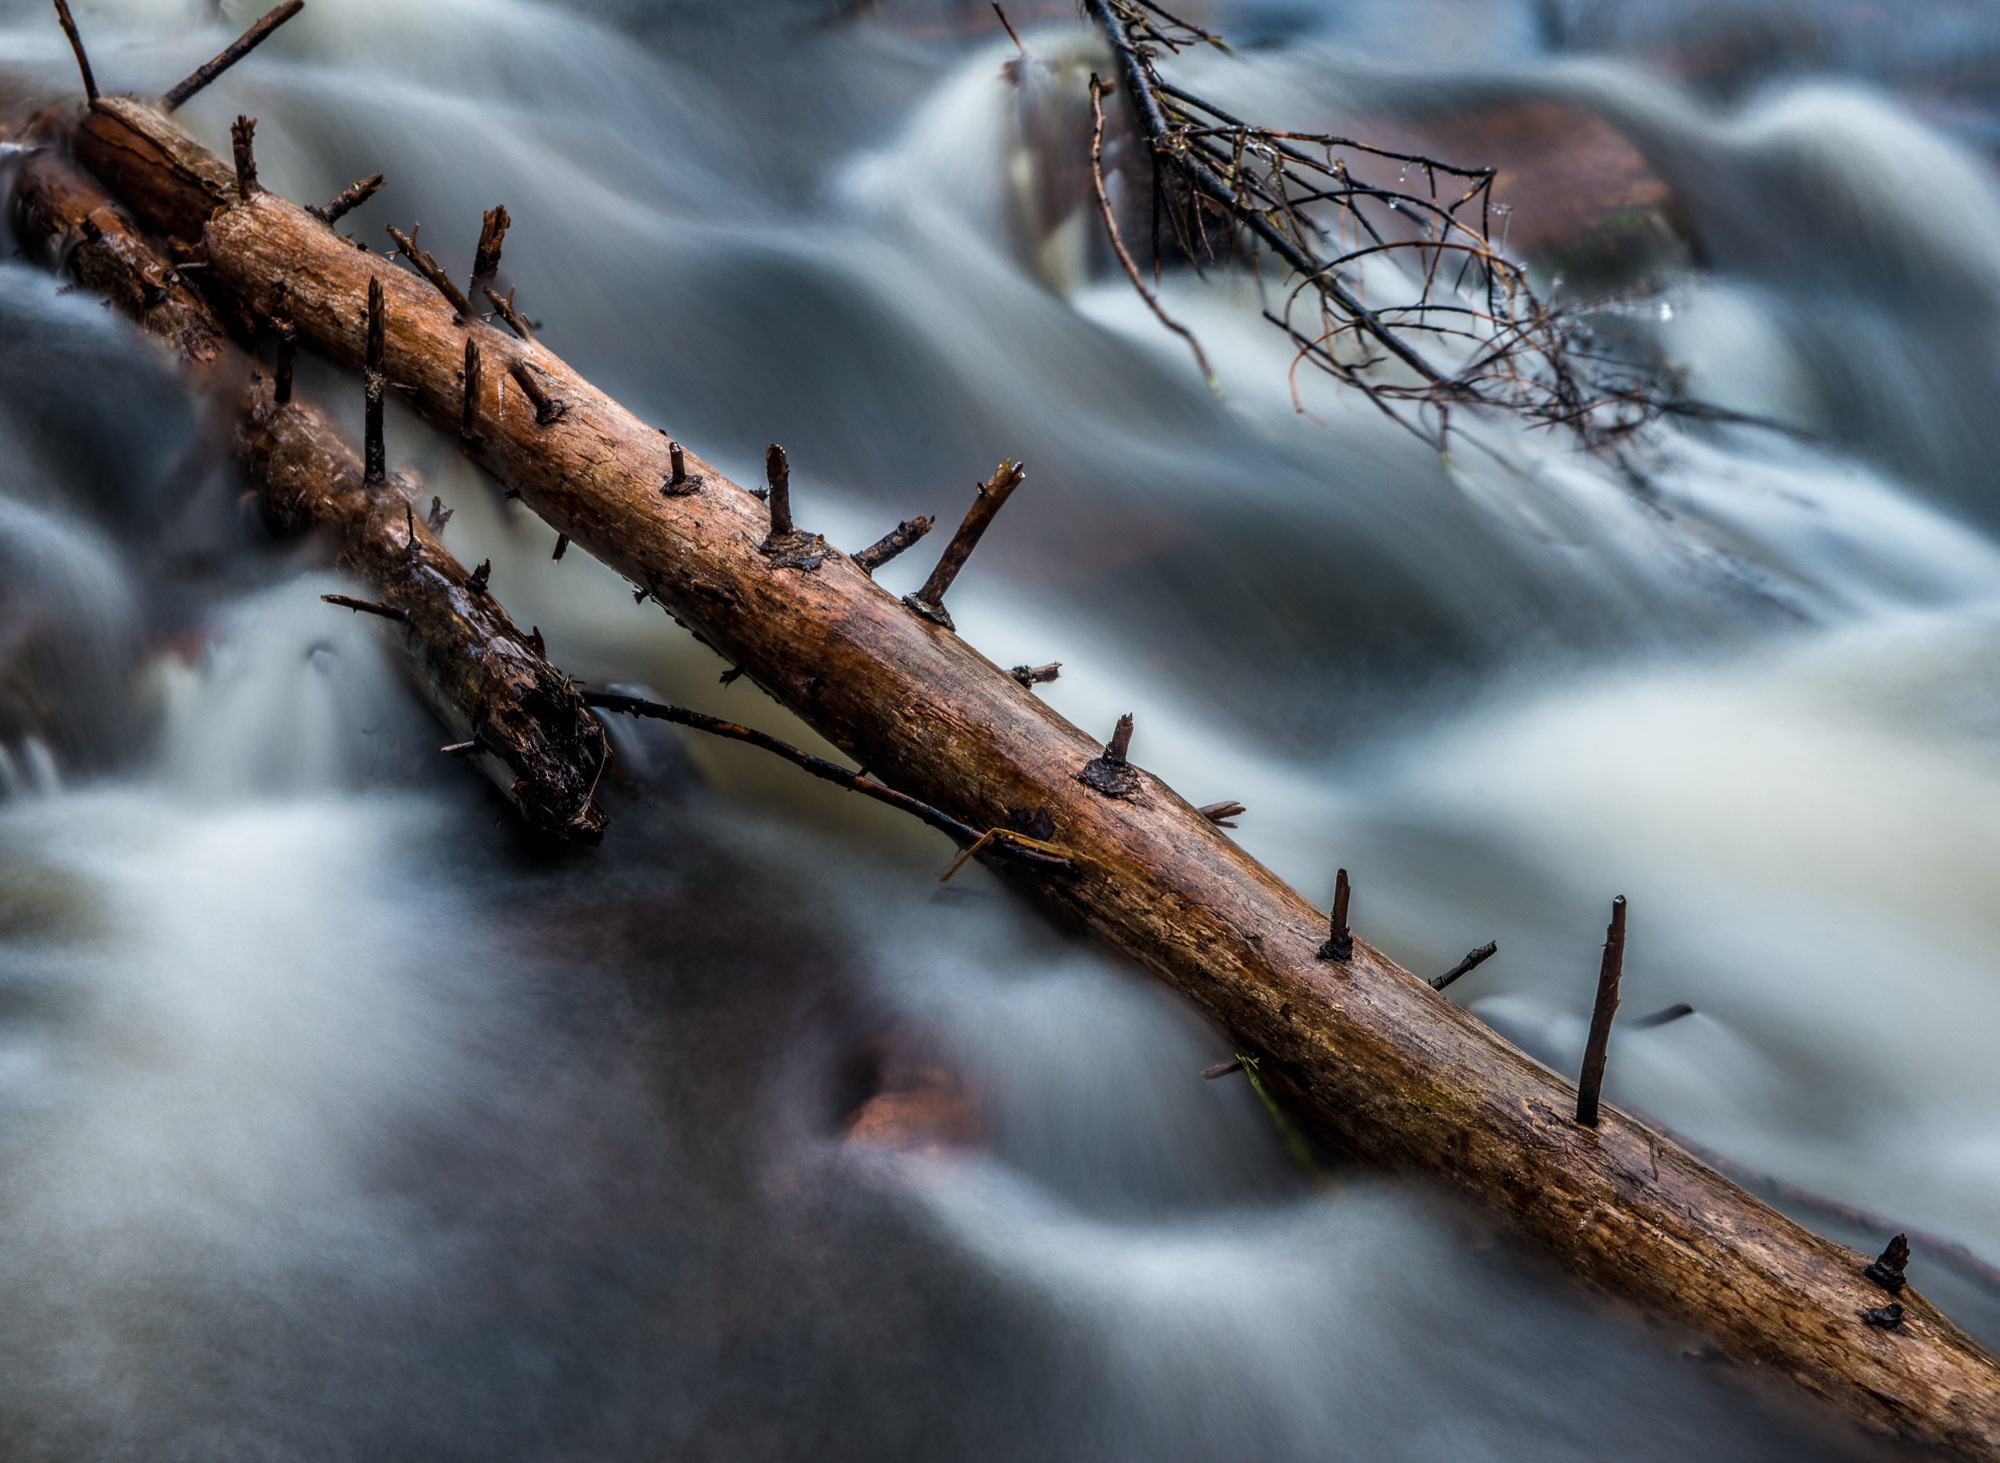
(1447, 320)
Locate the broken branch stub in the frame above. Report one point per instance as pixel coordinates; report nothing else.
(990, 496)
(68, 23)
(235, 51)
(349, 198)
(1366, 1056)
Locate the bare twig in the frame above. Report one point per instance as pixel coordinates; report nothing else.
(235, 51)
(1591, 1083)
(241, 137)
(1034, 853)
(1340, 939)
(1473, 960)
(516, 321)
(778, 477)
(486, 259)
(1011, 34)
(367, 607)
(76, 45)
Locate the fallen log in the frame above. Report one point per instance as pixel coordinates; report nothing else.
(1367, 1056)
(485, 681)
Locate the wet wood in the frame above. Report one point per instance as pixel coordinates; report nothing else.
(474, 668)
(1366, 1056)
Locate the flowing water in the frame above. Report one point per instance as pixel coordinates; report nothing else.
(339, 1124)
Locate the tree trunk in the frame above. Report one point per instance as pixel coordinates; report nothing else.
(487, 683)
(1367, 1056)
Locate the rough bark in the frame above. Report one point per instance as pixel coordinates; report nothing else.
(1368, 1057)
(471, 664)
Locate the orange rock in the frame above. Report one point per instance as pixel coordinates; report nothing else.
(918, 1105)
(1580, 197)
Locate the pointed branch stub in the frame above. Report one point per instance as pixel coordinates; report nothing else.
(516, 321)
(1591, 1083)
(1110, 774)
(1472, 961)
(368, 607)
(787, 547)
(892, 543)
(1340, 939)
(486, 259)
(1887, 1271)
(76, 45)
(241, 137)
(1037, 675)
(995, 491)
(235, 51)
(348, 199)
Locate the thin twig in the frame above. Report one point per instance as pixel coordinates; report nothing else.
(1032, 852)
(76, 45)
(991, 494)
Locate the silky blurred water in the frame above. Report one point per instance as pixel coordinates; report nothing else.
(338, 1123)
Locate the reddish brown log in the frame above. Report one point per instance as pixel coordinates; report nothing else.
(1366, 1055)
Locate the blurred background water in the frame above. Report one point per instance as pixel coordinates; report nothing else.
(338, 1124)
